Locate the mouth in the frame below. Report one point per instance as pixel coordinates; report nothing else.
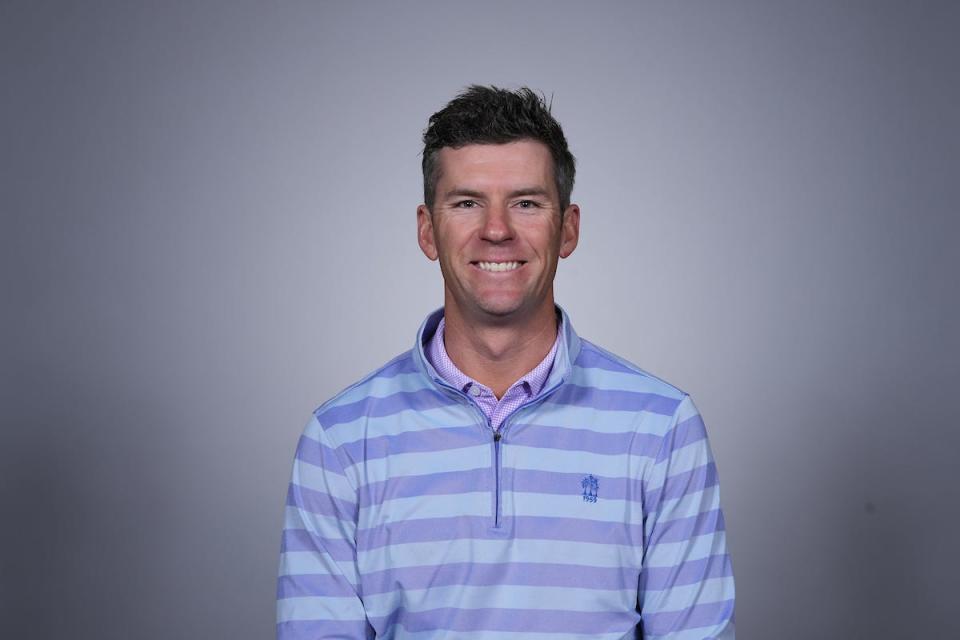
(499, 267)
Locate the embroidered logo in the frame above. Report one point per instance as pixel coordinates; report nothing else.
(590, 486)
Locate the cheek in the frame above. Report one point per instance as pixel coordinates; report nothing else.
(452, 226)
(547, 239)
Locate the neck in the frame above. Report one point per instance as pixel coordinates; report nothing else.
(497, 354)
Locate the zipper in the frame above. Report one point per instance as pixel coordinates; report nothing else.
(497, 437)
(498, 434)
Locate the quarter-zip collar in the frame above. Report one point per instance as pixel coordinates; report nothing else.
(567, 350)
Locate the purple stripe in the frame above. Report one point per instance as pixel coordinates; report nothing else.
(613, 400)
(403, 363)
(689, 572)
(313, 629)
(313, 584)
(576, 530)
(684, 483)
(558, 483)
(516, 573)
(519, 480)
(420, 400)
(701, 615)
(445, 483)
(372, 448)
(318, 454)
(690, 482)
(591, 358)
(687, 432)
(521, 527)
(303, 540)
(320, 502)
(573, 439)
(686, 528)
(522, 620)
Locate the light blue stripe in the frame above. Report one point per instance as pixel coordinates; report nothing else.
(680, 529)
(411, 464)
(421, 554)
(422, 400)
(609, 421)
(318, 479)
(317, 585)
(691, 504)
(727, 633)
(323, 526)
(622, 381)
(476, 503)
(325, 608)
(616, 438)
(412, 441)
(668, 554)
(313, 629)
(571, 506)
(302, 563)
(540, 459)
(381, 387)
(593, 356)
(439, 418)
(604, 401)
(505, 597)
(703, 615)
(546, 620)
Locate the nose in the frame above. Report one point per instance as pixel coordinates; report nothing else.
(497, 226)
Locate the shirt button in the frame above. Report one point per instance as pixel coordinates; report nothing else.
(475, 390)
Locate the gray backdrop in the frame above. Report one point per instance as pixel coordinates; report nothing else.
(208, 229)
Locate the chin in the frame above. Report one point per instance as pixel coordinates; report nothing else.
(501, 308)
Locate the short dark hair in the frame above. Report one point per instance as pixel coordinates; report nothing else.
(489, 115)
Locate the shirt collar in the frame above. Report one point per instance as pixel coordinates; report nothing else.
(568, 349)
(533, 380)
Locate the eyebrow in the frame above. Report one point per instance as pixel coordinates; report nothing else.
(470, 193)
(529, 191)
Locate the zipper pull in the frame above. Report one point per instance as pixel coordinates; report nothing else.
(496, 436)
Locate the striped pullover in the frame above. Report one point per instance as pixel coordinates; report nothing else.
(594, 513)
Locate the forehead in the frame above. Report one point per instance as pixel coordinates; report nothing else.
(478, 165)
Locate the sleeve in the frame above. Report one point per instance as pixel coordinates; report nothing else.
(317, 589)
(686, 589)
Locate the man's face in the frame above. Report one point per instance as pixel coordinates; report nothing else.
(497, 229)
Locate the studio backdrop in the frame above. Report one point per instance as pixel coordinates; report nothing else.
(208, 229)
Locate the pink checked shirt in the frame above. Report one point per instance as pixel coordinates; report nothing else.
(522, 390)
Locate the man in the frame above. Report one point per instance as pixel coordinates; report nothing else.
(504, 478)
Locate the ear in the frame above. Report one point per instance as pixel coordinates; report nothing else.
(425, 237)
(569, 230)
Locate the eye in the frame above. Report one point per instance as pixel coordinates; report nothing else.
(528, 204)
(465, 204)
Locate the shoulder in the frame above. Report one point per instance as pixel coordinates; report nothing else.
(596, 364)
(606, 382)
(382, 392)
(392, 376)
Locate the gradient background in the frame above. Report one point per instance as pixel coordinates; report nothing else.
(209, 228)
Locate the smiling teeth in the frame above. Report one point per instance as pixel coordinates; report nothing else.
(498, 266)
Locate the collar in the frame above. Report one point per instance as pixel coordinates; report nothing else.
(568, 348)
(532, 381)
